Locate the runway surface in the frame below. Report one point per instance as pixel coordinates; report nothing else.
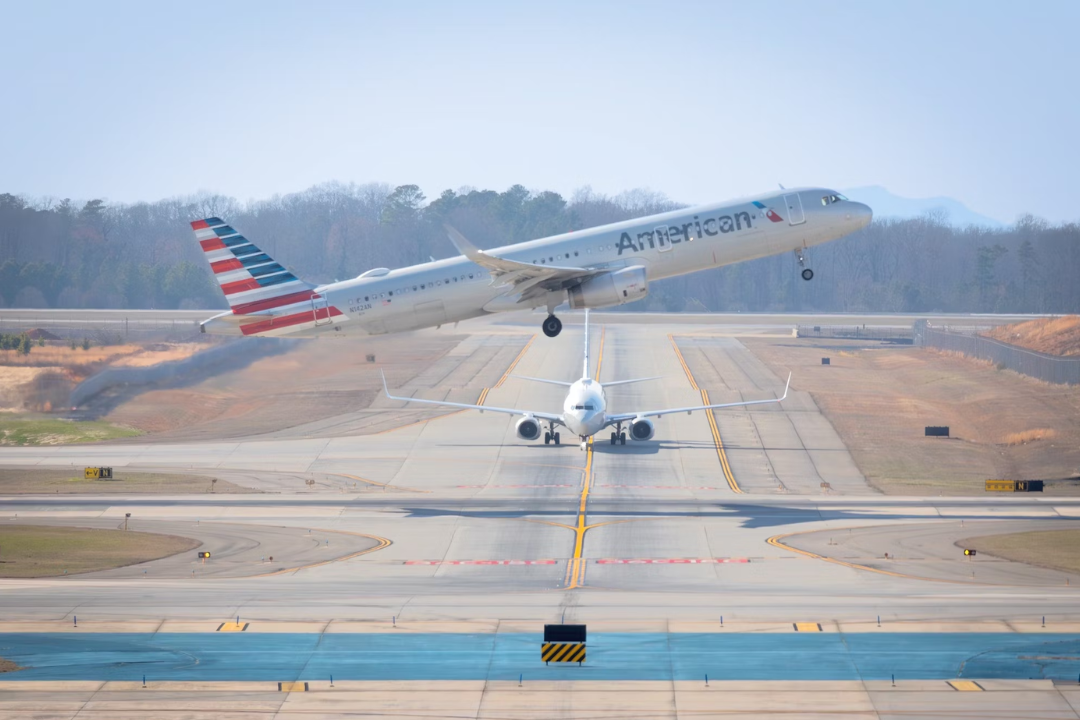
(757, 515)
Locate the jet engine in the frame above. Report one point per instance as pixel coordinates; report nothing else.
(642, 429)
(611, 288)
(527, 428)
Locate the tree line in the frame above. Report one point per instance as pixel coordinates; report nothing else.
(99, 255)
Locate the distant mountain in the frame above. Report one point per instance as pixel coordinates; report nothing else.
(885, 204)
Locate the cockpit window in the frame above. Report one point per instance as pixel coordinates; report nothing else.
(589, 407)
(830, 199)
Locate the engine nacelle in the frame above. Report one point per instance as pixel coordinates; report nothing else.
(527, 428)
(642, 429)
(611, 288)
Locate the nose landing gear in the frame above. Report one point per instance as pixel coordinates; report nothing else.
(807, 273)
(551, 326)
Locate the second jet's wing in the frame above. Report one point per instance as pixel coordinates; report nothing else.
(546, 417)
(624, 417)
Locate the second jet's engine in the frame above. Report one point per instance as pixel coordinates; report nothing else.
(610, 288)
(642, 429)
(527, 428)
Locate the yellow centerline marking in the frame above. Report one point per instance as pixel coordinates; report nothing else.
(777, 541)
(383, 543)
(514, 364)
(685, 367)
(575, 570)
(711, 418)
(720, 452)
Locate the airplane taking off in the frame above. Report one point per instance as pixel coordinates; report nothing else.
(594, 268)
(585, 409)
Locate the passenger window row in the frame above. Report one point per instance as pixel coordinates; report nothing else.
(423, 286)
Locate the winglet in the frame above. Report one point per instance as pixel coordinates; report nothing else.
(462, 243)
(385, 389)
(784, 396)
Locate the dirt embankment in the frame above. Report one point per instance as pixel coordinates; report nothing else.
(879, 399)
(1054, 336)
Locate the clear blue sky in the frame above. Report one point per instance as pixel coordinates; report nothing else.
(979, 101)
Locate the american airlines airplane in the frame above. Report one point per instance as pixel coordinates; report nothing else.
(594, 268)
(585, 409)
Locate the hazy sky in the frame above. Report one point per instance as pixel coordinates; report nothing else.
(979, 101)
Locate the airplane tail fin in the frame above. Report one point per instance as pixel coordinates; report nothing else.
(251, 280)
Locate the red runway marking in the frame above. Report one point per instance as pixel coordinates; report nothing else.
(481, 562)
(668, 561)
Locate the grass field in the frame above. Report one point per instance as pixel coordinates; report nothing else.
(16, 430)
(1058, 549)
(28, 551)
(68, 481)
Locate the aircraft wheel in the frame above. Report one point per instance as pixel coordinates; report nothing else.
(555, 437)
(622, 438)
(807, 274)
(613, 438)
(552, 326)
(547, 438)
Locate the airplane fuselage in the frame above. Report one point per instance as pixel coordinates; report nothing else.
(665, 245)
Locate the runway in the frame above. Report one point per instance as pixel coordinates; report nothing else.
(758, 516)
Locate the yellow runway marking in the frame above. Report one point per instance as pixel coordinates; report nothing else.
(383, 543)
(966, 685)
(686, 369)
(711, 418)
(807, 627)
(777, 541)
(720, 452)
(514, 364)
(575, 569)
(232, 627)
(483, 396)
(292, 687)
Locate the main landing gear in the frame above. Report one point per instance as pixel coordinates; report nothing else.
(618, 436)
(551, 437)
(552, 326)
(807, 273)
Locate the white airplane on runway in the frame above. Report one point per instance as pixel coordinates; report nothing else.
(585, 409)
(599, 267)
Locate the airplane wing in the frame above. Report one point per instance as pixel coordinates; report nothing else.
(624, 417)
(546, 417)
(543, 380)
(609, 383)
(529, 279)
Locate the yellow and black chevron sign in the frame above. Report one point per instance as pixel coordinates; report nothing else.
(562, 652)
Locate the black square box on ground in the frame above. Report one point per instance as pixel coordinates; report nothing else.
(564, 633)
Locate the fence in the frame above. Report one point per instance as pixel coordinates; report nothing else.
(1051, 368)
(856, 332)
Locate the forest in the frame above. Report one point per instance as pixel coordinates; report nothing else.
(96, 254)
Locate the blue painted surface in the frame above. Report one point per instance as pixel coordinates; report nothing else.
(611, 656)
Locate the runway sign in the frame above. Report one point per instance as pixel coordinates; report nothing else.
(1014, 486)
(937, 431)
(204, 555)
(807, 627)
(562, 633)
(965, 685)
(562, 652)
(98, 473)
(969, 551)
(292, 687)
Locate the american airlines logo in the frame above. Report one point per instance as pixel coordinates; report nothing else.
(665, 235)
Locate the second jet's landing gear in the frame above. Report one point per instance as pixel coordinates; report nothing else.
(552, 326)
(551, 437)
(807, 273)
(618, 436)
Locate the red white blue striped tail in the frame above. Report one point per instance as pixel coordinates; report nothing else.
(255, 284)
